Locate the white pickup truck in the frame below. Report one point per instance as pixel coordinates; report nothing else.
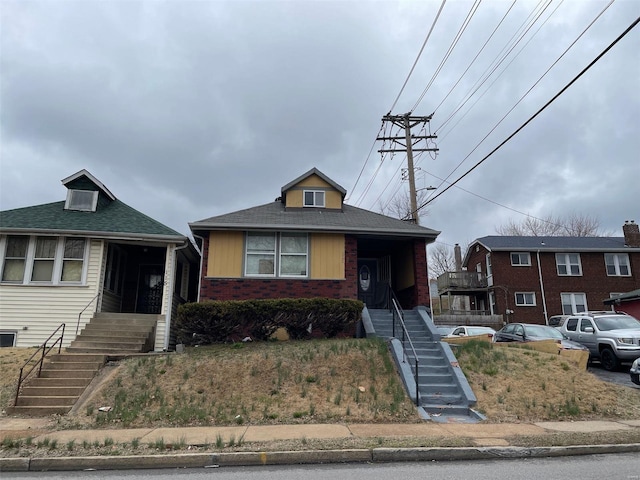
(611, 337)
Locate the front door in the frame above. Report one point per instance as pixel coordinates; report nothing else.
(150, 286)
(367, 281)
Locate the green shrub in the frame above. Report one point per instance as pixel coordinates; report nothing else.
(219, 321)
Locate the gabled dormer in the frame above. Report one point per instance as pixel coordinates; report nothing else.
(313, 190)
(85, 193)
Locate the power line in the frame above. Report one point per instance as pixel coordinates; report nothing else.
(555, 97)
(366, 160)
(453, 45)
(530, 88)
(419, 54)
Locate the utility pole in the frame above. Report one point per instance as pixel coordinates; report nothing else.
(407, 122)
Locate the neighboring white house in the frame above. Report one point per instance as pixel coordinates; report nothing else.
(91, 253)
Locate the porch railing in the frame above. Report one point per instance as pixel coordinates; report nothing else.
(45, 351)
(398, 317)
(82, 311)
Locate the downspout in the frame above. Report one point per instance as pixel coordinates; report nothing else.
(167, 324)
(544, 300)
(201, 260)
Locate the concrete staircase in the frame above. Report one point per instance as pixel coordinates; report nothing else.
(443, 391)
(63, 378)
(116, 334)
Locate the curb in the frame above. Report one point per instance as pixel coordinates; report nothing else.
(375, 455)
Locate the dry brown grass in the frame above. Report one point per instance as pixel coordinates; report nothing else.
(327, 381)
(11, 360)
(522, 385)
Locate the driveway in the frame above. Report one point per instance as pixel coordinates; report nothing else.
(620, 377)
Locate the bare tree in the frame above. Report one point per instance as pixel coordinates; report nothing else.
(574, 225)
(400, 205)
(441, 260)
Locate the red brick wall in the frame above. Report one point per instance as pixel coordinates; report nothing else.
(253, 288)
(594, 282)
(418, 294)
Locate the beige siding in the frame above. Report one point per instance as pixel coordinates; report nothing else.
(226, 251)
(332, 199)
(327, 256)
(36, 311)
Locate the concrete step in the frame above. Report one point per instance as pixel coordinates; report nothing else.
(111, 336)
(440, 400)
(76, 357)
(437, 389)
(49, 401)
(104, 350)
(39, 411)
(51, 373)
(109, 344)
(53, 391)
(72, 365)
(59, 382)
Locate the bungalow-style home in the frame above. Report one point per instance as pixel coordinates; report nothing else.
(529, 279)
(86, 256)
(309, 243)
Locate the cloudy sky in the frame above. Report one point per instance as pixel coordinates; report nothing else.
(190, 109)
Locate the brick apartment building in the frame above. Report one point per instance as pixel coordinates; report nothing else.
(528, 279)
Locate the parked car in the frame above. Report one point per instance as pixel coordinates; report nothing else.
(612, 337)
(635, 371)
(527, 332)
(470, 331)
(557, 320)
(444, 330)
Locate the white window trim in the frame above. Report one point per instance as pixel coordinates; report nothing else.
(616, 264)
(520, 254)
(567, 264)
(277, 255)
(11, 332)
(524, 296)
(57, 262)
(315, 204)
(574, 310)
(68, 203)
(247, 253)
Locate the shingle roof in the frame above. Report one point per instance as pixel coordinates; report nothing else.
(114, 219)
(274, 216)
(314, 171)
(497, 243)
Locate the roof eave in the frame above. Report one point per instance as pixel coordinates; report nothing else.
(98, 234)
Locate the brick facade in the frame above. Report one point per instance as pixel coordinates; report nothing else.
(594, 281)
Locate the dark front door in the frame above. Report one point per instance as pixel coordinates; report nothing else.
(367, 281)
(150, 285)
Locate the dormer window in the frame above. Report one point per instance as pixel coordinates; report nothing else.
(314, 198)
(81, 200)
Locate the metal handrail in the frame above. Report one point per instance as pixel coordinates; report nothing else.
(82, 311)
(39, 363)
(396, 310)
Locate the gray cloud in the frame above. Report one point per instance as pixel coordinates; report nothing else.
(191, 109)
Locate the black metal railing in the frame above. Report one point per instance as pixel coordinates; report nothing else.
(45, 351)
(82, 311)
(398, 317)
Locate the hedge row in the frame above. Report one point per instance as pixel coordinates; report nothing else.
(220, 321)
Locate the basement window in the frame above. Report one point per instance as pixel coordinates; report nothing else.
(81, 200)
(7, 339)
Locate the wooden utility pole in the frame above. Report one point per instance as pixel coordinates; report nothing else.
(407, 122)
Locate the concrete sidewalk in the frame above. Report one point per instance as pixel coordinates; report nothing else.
(483, 434)
(490, 440)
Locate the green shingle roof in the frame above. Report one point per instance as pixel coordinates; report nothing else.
(113, 219)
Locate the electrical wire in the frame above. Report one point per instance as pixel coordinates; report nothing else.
(476, 57)
(453, 45)
(366, 160)
(544, 107)
(424, 44)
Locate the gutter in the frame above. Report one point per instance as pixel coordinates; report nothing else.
(544, 300)
(201, 260)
